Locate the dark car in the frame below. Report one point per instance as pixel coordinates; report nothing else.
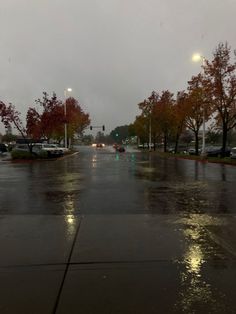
(100, 145)
(120, 149)
(217, 151)
(3, 148)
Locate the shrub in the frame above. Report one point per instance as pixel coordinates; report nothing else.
(18, 154)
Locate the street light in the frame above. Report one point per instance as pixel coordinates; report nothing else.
(68, 90)
(197, 57)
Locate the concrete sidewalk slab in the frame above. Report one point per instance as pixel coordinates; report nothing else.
(36, 239)
(127, 238)
(112, 238)
(124, 289)
(29, 290)
(154, 287)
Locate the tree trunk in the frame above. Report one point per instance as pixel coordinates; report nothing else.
(196, 143)
(165, 143)
(224, 139)
(176, 143)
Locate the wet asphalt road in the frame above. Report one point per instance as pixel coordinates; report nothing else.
(108, 232)
(99, 181)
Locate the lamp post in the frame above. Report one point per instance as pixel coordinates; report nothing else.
(196, 58)
(68, 90)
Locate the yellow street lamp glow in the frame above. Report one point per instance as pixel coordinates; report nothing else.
(69, 89)
(196, 57)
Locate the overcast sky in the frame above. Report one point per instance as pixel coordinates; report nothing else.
(112, 53)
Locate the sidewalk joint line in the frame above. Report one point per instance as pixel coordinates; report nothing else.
(66, 269)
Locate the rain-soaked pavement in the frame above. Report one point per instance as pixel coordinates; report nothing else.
(102, 232)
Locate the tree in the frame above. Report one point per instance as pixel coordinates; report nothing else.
(9, 115)
(33, 124)
(147, 107)
(52, 119)
(186, 136)
(221, 87)
(120, 133)
(179, 112)
(50, 123)
(213, 136)
(76, 118)
(141, 128)
(198, 105)
(7, 138)
(163, 115)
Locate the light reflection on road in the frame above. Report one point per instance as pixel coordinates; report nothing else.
(196, 292)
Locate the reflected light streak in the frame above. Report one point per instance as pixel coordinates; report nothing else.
(69, 205)
(194, 260)
(194, 290)
(71, 225)
(94, 161)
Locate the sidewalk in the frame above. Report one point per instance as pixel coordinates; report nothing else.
(117, 264)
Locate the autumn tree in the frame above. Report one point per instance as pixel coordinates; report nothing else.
(221, 87)
(141, 128)
(77, 120)
(52, 118)
(33, 124)
(198, 104)
(10, 116)
(147, 108)
(50, 123)
(163, 115)
(179, 116)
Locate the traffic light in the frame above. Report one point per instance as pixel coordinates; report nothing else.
(103, 127)
(91, 128)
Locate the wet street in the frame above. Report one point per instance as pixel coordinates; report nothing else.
(106, 232)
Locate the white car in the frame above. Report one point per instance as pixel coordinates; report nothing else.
(55, 146)
(233, 152)
(52, 149)
(39, 148)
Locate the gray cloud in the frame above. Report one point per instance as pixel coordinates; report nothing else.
(112, 53)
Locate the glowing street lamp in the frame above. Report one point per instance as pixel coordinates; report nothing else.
(68, 90)
(197, 57)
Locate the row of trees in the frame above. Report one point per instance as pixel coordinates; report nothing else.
(48, 122)
(210, 94)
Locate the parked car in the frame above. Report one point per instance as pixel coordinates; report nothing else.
(233, 153)
(145, 145)
(171, 150)
(40, 148)
(64, 149)
(217, 151)
(3, 148)
(192, 151)
(52, 150)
